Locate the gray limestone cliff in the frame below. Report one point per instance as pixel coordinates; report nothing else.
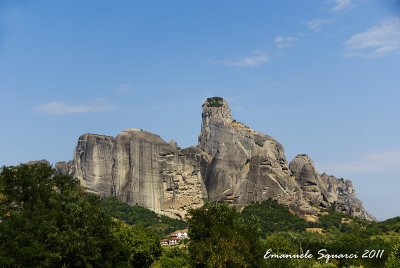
(302, 167)
(140, 168)
(342, 196)
(325, 191)
(94, 162)
(155, 174)
(231, 162)
(246, 165)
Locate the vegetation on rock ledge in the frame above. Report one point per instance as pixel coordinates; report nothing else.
(214, 102)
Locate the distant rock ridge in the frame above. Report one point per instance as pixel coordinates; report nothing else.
(231, 162)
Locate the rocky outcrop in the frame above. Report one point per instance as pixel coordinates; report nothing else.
(231, 162)
(324, 191)
(246, 165)
(302, 167)
(66, 168)
(94, 163)
(342, 196)
(140, 168)
(150, 172)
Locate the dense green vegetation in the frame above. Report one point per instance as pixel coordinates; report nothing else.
(137, 215)
(221, 237)
(173, 257)
(393, 260)
(269, 225)
(274, 217)
(214, 102)
(353, 235)
(50, 221)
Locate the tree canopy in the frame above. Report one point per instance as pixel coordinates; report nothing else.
(48, 220)
(220, 237)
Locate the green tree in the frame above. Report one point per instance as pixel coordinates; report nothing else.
(49, 221)
(142, 247)
(220, 237)
(285, 243)
(393, 260)
(274, 217)
(172, 258)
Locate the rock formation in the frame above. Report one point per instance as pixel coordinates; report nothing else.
(302, 167)
(246, 165)
(232, 162)
(94, 162)
(324, 191)
(342, 196)
(150, 172)
(66, 168)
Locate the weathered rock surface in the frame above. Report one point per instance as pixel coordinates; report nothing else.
(66, 168)
(246, 165)
(150, 172)
(302, 167)
(323, 191)
(232, 162)
(342, 196)
(94, 162)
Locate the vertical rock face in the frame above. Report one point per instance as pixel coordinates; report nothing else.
(246, 165)
(232, 163)
(93, 159)
(140, 168)
(150, 172)
(136, 168)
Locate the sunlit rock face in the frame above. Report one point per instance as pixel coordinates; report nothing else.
(150, 172)
(140, 168)
(314, 191)
(246, 165)
(342, 196)
(93, 160)
(325, 191)
(231, 162)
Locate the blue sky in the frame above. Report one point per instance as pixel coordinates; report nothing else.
(321, 76)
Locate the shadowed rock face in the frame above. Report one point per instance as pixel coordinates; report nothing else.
(232, 162)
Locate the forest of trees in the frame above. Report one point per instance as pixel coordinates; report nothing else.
(48, 220)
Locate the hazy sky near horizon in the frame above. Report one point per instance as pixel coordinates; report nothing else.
(322, 77)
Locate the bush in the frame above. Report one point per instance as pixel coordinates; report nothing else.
(214, 102)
